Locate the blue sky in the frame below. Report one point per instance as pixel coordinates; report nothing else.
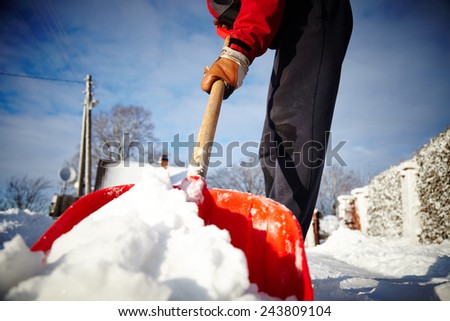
(394, 93)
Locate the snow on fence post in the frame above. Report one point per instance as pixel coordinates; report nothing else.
(361, 195)
(410, 201)
(342, 209)
(347, 212)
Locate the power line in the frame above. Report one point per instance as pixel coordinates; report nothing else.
(64, 36)
(8, 74)
(35, 38)
(48, 53)
(49, 23)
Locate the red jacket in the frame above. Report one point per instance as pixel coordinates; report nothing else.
(255, 26)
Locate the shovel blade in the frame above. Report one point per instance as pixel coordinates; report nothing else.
(266, 231)
(269, 235)
(79, 210)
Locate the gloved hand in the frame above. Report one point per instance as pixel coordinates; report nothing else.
(231, 66)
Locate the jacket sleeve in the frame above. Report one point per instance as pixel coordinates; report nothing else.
(256, 25)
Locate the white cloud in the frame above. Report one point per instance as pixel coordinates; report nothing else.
(152, 53)
(393, 91)
(37, 145)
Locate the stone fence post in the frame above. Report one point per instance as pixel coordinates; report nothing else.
(410, 201)
(361, 195)
(347, 212)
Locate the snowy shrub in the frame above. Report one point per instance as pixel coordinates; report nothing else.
(384, 213)
(433, 187)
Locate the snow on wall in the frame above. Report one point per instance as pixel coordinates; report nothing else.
(384, 213)
(433, 187)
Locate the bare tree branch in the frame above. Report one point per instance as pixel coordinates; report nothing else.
(133, 122)
(336, 180)
(244, 179)
(26, 193)
(108, 131)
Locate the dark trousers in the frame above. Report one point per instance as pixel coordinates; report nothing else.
(310, 48)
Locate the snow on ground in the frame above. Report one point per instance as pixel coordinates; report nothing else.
(352, 266)
(150, 244)
(25, 223)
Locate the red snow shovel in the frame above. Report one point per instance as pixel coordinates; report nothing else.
(266, 231)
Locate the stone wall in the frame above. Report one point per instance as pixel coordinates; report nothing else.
(384, 212)
(433, 188)
(412, 199)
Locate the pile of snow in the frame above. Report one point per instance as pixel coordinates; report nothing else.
(328, 224)
(23, 222)
(17, 263)
(129, 172)
(148, 244)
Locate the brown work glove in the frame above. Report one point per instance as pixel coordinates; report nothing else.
(231, 66)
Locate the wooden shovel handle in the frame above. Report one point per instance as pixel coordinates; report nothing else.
(205, 139)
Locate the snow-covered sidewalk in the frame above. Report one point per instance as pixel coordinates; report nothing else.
(352, 266)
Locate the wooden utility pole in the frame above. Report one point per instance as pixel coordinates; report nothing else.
(84, 165)
(88, 106)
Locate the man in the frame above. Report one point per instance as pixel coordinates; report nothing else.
(310, 38)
